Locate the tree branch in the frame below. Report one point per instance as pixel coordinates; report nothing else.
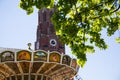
(116, 9)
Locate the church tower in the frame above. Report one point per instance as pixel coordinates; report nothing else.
(46, 36)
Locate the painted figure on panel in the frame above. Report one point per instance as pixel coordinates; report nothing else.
(74, 63)
(40, 56)
(54, 57)
(66, 60)
(8, 56)
(24, 55)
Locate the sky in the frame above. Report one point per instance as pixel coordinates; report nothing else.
(17, 29)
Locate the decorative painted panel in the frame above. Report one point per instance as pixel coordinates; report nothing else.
(54, 57)
(66, 60)
(74, 63)
(40, 56)
(7, 56)
(24, 55)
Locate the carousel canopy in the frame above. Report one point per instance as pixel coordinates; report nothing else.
(18, 64)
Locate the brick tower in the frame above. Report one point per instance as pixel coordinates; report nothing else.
(46, 36)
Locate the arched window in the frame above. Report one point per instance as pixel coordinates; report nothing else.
(44, 16)
(51, 13)
(52, 30)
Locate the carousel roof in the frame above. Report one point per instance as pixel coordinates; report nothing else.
(11, 49)
(18, 64)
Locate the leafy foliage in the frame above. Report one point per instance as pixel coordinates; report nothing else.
(79, 22)
(118, 40)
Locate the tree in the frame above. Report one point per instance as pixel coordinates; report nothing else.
(79, 22)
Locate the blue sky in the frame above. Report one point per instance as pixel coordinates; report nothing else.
(17, 29)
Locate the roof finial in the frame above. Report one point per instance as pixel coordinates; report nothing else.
(29, 46)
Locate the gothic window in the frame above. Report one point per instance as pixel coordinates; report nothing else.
(51, 13)
(43, 30)
(44, 16)
(52, 29)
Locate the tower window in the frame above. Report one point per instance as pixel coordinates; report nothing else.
(44, 16)
(51, 13)
(52, 28)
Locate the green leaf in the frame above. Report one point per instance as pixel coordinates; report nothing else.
(118, 40)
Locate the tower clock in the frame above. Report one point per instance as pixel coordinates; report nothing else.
(46, 37)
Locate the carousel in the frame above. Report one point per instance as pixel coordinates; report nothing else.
(47, 62)
(16, 64)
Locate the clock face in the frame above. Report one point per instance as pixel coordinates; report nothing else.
(53, 42)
